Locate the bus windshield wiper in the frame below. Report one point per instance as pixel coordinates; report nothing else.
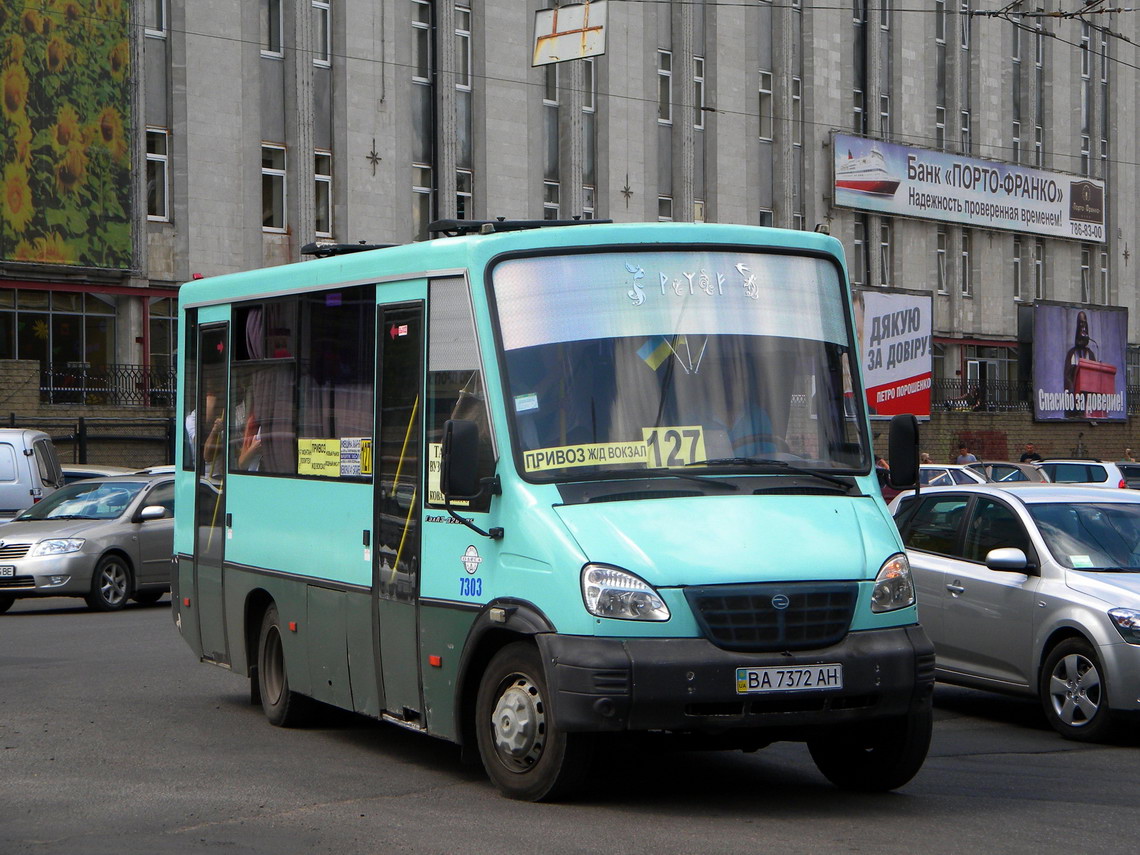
(778, 465)
(689, 476)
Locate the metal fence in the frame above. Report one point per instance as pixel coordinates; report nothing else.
(115, 385)
(949, 395)
(134, 443)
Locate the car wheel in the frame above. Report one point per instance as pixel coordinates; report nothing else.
(110, 584)
(282, 706)
(6, 601)
(148, 598)
(526, 755)
(878, 757)
(1074, 693)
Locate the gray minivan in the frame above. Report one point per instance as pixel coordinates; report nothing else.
(29, 469)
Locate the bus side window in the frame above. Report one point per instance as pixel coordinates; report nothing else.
(456, 387)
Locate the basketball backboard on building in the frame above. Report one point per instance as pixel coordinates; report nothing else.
(569, 32)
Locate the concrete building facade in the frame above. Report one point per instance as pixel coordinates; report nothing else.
(265, 125)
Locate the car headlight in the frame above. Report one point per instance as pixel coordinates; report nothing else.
(56, 547)
(1127, 623)
(893, 586)
(612, 593)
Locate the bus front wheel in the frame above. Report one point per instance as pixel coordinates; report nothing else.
(283, 707)
(526, 755)
(878, 757)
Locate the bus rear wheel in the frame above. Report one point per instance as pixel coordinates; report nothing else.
(526, 755)
(283, 707)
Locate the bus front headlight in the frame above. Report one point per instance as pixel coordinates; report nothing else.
(610, 592)
(894, 588)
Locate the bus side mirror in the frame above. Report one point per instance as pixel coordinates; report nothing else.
(903, 451)
(459, 466)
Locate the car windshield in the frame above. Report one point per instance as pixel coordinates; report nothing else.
(1091, 536)
(85, 500)
(623, 364)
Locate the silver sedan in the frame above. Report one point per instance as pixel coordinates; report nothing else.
(104, 539)
(1032, 589)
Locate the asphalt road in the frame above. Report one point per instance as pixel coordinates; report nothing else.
(113, 739)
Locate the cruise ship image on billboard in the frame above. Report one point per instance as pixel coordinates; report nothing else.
(866, 174)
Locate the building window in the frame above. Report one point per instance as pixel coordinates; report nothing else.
(590, 86)
(940, 259)
(665, 87)
(797, 112)
(885, 116)
(1015, 40)
(940, 21)
(588, 203)
(1086, 50)
(462, 48)
(967, 284)
(884, 15)
(1038, 146)
(421, 41)
(550, 85)
(273, 188)
(322, 33)
(271, 28)
(966, 144)
(464, 192)
(698, 211)
(765, 218)
(1017, 268)
(157, 174)
(1039, 270)
(421, 200)
(1086, 160)
(964, 14)
(1104, 298)
(155, 11)
(766, 105)
(550, 195)
(699, 91)
(798, 221)
(57, 328)
(885, 253)
(322, 178)
(940, 128)
(1104, 158)
(1086, 274)
(1015, 143)
(860, 120)
(859, 261)
(664, 209)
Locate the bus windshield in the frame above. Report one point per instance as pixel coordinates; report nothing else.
(619, 363)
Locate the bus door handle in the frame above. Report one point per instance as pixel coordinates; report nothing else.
(956, 589)
(367, 538)
(229, 520)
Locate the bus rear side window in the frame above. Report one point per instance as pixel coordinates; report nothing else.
(301, 398)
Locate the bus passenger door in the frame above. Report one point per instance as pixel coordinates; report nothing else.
(398, 457)
(209, 449)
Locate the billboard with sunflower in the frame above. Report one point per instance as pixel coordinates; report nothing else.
(65, 148)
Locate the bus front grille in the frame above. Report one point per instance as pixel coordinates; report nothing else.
(774, 616)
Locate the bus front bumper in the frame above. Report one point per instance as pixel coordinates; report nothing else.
(690, 685)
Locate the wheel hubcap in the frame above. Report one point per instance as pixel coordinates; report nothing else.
(1075, 690)
(518, 723)
(113, 584)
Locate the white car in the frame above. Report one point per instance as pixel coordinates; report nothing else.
(1095, 473)
(946, 475)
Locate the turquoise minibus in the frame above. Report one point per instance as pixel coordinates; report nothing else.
(538, 488)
